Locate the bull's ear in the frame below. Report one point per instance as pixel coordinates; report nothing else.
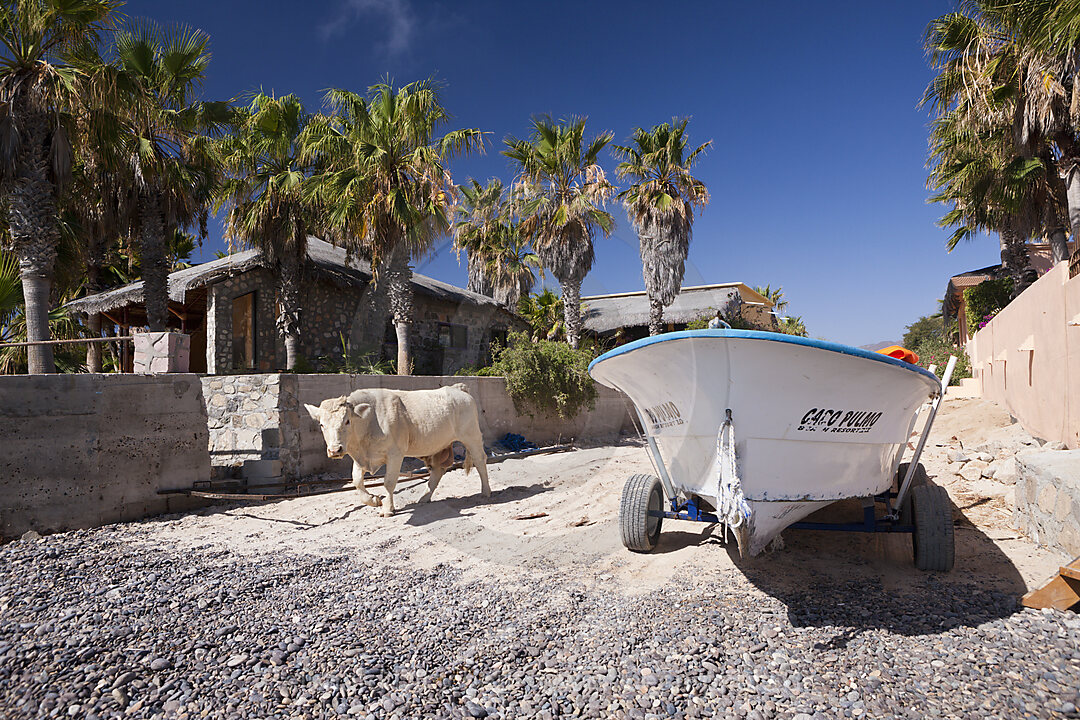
(361, 408)
(314, 412)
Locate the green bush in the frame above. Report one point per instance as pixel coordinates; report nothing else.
(737, 322)
(935, 350)
(478, 371)
(984, 301)
(546, 376)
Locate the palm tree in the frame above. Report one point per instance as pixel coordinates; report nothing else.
(661, 204)
(500, 261)
(988, 188)
(998, 81)
(563, 192)
(39, 85)
(385, 183)
(172, 172)
(544, 313)
(510, 268)
(478, 219)
(776, 297)
(266, 191)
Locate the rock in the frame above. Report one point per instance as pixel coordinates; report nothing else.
(30, 536)
(1007, 471)
(957, 456)
(159, 664)
(973, 470)
(991, 469)
(984, 456)
(1055, 445)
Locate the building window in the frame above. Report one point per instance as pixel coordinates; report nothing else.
(453, 336)
(243, 327)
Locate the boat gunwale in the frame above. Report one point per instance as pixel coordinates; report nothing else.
(770, 337)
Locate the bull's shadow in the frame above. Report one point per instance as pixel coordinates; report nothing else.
(449, 508)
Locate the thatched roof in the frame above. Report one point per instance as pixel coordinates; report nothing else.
(603, 313)
(328, 261)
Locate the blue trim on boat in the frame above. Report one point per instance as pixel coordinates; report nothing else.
(770, 336)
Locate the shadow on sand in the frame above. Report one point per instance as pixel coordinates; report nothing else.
(856, 582)
(439, 510)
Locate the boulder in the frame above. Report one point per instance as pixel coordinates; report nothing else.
(973, 470)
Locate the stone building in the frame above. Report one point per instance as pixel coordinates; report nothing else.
(229, 307)
(625, 316)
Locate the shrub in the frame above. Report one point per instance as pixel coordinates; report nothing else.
(546, 376)
(478, 371)
(984, 301)
(935, 350)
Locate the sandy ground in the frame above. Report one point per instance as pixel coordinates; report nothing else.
(577, 495)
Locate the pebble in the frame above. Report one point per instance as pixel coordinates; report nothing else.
(290, 635)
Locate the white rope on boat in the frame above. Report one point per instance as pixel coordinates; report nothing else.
(731, 506)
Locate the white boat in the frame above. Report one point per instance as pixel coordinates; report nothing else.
(764, 428)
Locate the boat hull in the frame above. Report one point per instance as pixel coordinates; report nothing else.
(813, 422)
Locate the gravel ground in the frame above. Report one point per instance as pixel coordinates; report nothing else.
(95, 625)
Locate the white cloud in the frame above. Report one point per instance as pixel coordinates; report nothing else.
(394, 18)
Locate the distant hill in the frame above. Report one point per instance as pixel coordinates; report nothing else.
(878, 345)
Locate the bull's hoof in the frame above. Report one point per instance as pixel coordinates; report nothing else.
(386, 513)
(426, 498)
(373, 501)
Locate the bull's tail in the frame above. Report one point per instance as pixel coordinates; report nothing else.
(468, 462)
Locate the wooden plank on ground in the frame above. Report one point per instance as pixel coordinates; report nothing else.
(1061, 593)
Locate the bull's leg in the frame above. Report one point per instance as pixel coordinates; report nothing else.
(435, 465)
(393, 469)
(475, 449)
(358, 483)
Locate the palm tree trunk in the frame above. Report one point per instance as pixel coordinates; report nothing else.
(478, 281)
(155, 271)
(93, 286)
(399, 287)
(288, 322)
(1015, 260)
(572, 310)
(656, 316)
(1069, 171)
(35, 236)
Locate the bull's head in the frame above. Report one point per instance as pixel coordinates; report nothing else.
(336, 418)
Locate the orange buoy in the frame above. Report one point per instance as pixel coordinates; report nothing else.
(900, 353)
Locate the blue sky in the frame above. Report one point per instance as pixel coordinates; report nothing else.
(817, 171)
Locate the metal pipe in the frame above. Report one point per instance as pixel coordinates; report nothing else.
(654, 450)
(925, 433)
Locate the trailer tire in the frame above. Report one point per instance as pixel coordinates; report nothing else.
(932, 541)
(918, 479)
(641, 495)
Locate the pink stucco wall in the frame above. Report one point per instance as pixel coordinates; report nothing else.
(1027, 359)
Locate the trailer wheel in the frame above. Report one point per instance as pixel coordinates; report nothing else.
(641, 495)
(918, 479)
(932, 540)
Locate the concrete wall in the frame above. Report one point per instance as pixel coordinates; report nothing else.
(497, 413)
(80, 451)
(1048, 499)
(259, 427)
(1027, 359)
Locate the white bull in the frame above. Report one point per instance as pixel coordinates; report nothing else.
(376, 427)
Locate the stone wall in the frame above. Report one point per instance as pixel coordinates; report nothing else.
(253, 428)
(1048, 498)
(219, 322)
(79, 451)
(332, 311)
